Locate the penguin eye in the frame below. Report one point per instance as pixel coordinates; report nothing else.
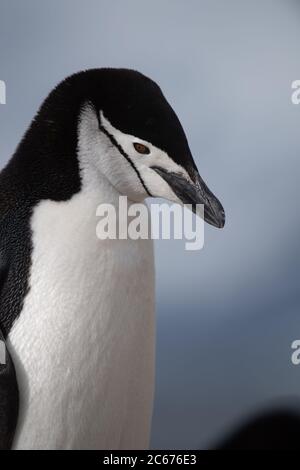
(140, 148)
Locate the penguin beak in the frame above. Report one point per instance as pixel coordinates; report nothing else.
(195, 193)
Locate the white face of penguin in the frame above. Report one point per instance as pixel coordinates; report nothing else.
(142, 179)
(137, 168)
(125, 160)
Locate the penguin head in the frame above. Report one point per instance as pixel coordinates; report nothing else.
(126, 131)
(139, 143)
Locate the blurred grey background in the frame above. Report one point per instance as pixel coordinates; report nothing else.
(226, 315)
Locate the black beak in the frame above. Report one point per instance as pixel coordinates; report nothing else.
(195, 193)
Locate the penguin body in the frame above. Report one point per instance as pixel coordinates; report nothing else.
(84, 336)
(77, 312)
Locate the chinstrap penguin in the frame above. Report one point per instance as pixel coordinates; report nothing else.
(76, 312)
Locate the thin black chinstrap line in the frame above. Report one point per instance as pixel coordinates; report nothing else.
(115, 143)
